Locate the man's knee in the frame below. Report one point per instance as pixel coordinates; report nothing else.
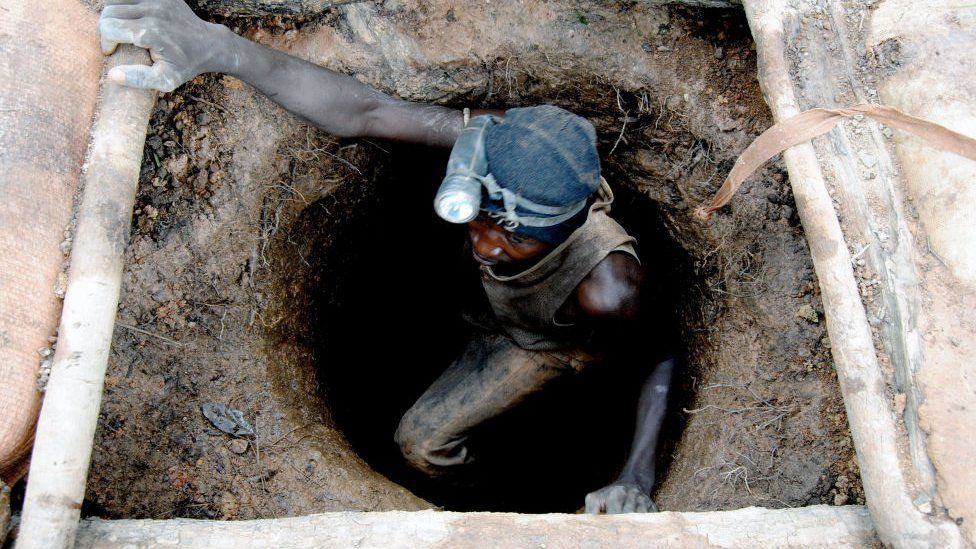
(413, 445)
(427, 450)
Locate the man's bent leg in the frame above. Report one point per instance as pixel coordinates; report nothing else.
(492, 375)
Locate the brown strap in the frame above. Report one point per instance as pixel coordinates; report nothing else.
(809, 124)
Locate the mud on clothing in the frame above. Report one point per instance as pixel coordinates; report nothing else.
(527, 304)
(521, 346)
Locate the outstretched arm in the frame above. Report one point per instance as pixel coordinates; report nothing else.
(631, 492)
(183, 46)
(610, 294)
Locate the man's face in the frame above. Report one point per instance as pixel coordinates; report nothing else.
(491, 244)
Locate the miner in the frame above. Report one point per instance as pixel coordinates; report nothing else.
(555, 267)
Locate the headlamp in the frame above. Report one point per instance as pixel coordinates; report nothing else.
(459, 197)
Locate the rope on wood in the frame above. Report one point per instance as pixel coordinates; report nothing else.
(814, 122)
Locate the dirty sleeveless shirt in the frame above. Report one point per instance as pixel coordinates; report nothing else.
(526, 304)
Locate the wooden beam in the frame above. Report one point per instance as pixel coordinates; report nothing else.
(821, 526)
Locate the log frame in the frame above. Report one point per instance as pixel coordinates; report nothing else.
(821, 525)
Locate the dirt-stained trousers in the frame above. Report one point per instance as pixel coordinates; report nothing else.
(492, 375)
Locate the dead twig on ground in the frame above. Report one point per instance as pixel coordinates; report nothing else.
(623, 126)
(150, 334)
(289, 433)
(257, 451)
(211, 103)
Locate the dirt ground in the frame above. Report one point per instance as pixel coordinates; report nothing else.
(257, 241)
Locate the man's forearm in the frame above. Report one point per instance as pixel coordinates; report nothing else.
(336, 103)
(182, 46)
(651, 407)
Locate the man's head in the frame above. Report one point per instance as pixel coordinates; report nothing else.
(493, 244)
(546, 156)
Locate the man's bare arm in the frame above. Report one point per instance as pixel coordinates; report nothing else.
(612, 289)
(611, 296)
(631, 492)
(337, 103)
(183, 46)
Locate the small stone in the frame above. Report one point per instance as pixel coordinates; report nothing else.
(44, 374)
(200, 182)
(204, 117)
(238, 446)
(45, 352)
(808, 313)
(900, 400)
(178, 165)
(719, 53)
(867, 158)
(230, 508)
(840, 499)
(61, 285)
(156, 144)
(923, 504)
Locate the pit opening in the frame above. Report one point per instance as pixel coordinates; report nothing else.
(289, 267)
(391, 283)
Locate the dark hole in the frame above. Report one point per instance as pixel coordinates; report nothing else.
(386, 313)
(721, 26)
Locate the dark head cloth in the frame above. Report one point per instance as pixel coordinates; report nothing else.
(547, 155)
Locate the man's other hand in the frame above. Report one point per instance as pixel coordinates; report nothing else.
(180, 44)
(619, 497)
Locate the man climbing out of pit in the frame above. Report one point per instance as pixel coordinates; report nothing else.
(555, 267)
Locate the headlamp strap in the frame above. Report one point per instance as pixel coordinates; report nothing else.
(556, 214)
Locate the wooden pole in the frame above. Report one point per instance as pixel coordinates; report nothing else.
(69, 414)
(898, 521)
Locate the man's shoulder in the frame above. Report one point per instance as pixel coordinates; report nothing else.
(612, 288)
